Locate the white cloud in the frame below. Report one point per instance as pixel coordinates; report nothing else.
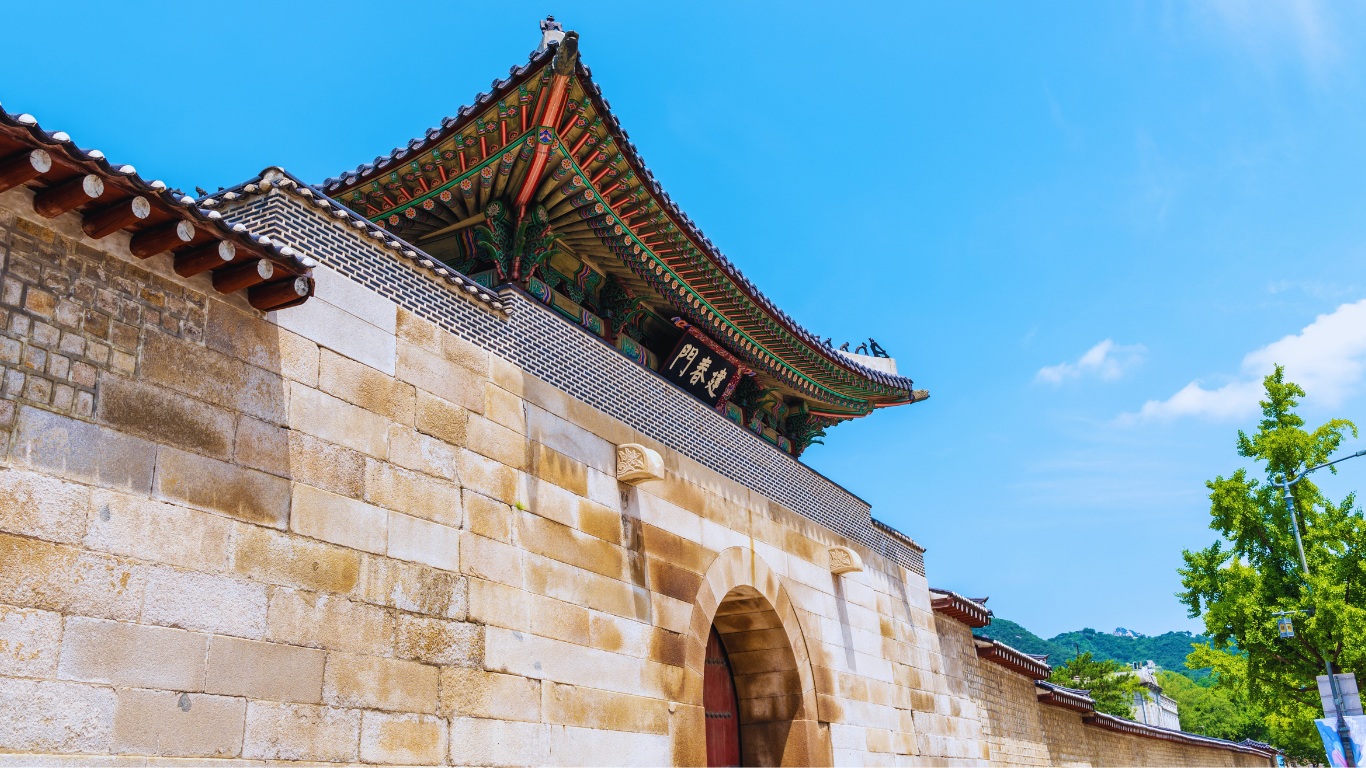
(1267, 28)
(1107, 361)
(1327, 358)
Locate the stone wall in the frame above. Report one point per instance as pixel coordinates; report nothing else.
(345, 533)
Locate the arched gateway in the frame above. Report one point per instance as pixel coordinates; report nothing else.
(758, 691)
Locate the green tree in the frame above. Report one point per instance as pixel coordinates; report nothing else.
(1213, 707)
(1110, 686)
(1253, 571)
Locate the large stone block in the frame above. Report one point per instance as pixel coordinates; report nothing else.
(492, 560)
(374, 682)
(505, 408)
(412, 538)
(127, 525)
(436, 641)
(115, 653)
(412, 493)
(35, 504)
(301, 732)
(366, 387)
(559, 620)
(78, 450)
(402, 739)
(259, 670)
(441, 419)
(475, 741)
(331, 467)
(261, 445)
(413, 450)
(45, 717)
(412, 587)
(204, 602)
(217, 486)
(441, 377)
(487, 517)
(337, 421)
(560, 542)
(603, 710)
(339, 519)
(518, 653)
(488, 477)
(367, 336)
(178, 724)
(323, 621)
(30, 642)
(499, 605)
(552, 466)
(262, 554)
(571, 439)
(165, 416)
(476, 693)
(212, 376)
(495, 441)
(39, 574)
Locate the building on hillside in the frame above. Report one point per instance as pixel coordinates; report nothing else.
(481, 454)
(1151, 706)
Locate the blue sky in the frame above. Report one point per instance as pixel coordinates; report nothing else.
(1087, 228)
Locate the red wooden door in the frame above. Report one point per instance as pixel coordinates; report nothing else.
(723, 712)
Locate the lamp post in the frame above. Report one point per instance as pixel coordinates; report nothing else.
(1285, 484)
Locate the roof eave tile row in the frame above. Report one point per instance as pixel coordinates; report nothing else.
(1122, 725)
(279, 178)
(182, 206)
(970, 611)
(997, 652)
(500, 87)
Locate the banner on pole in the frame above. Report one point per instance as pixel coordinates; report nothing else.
(1351, 697)
(1332, 742)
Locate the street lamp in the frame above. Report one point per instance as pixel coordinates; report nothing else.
(1285, 484)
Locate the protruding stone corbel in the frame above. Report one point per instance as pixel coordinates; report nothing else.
(844, 560)
(636, 464)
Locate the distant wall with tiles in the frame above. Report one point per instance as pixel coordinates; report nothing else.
(346, 532)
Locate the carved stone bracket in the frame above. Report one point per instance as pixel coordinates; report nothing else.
(844, 560)
(637, 464)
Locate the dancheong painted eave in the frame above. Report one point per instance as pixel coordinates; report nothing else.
(544, 139)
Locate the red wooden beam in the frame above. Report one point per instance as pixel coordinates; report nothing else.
(238, 276)
(23, 168)
(211, 256)
(69, 195)
(150, 242)
(107, 221)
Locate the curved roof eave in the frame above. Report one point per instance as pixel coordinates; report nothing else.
(518, 74)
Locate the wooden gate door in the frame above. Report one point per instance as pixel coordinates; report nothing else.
(723, 712)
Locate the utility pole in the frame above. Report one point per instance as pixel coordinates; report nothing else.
(1285, 484)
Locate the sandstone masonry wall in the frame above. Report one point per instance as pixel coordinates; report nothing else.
(344, 533)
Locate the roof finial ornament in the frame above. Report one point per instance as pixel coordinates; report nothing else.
(551, 33)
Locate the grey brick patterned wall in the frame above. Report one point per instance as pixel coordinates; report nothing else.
(580, 364)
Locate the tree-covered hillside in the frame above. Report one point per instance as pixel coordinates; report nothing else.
(1167, 650)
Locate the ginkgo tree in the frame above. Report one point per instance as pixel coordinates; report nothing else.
(1252, 573)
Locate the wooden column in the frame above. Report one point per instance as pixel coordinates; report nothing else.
(150, 242)
(24, 167)
(211, 256)
(107, 221)
(69, 195)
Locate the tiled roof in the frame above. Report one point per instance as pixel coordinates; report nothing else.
(502, 88)
(997, 652)
(277, 177)
(971, 611)
(24, 131)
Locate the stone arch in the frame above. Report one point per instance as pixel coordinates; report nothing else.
(742, 596)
